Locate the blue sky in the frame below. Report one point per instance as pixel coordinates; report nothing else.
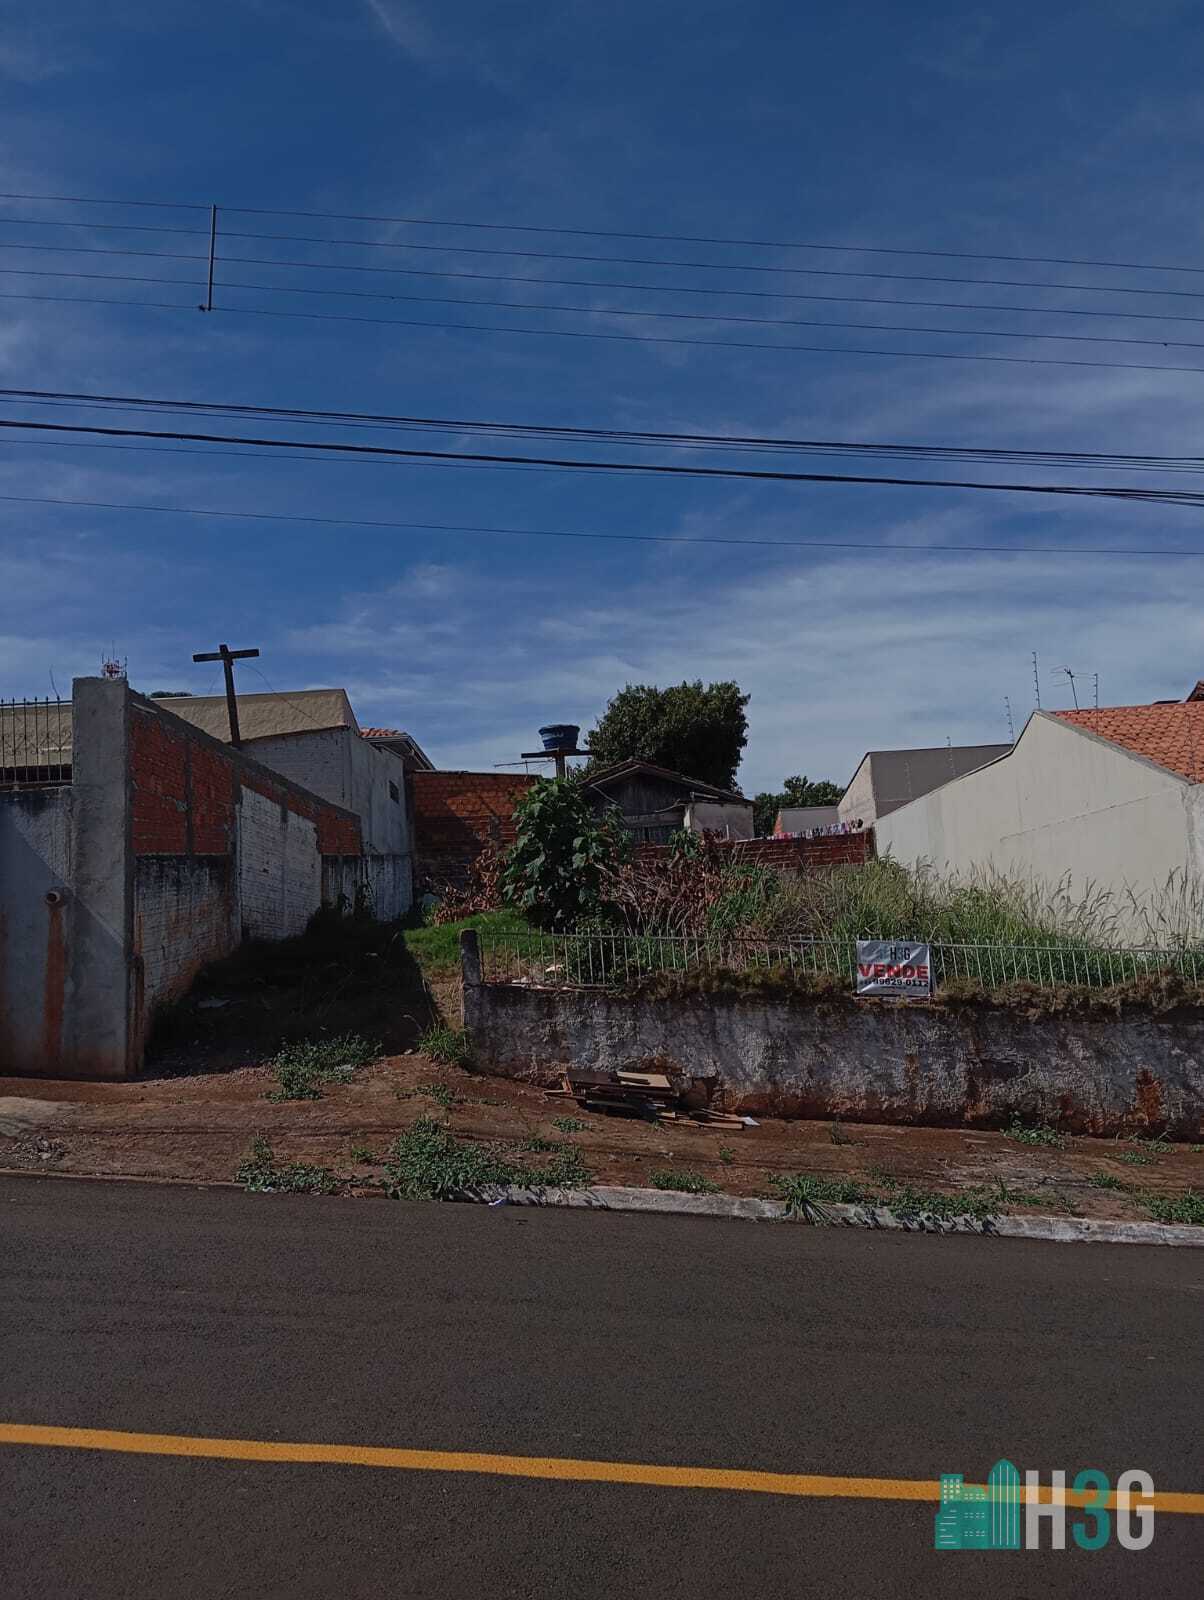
(1018, 130)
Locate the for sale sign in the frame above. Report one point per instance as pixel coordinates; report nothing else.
(894, 968)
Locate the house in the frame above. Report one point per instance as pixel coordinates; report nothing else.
(656, 803)
(135, 848)
(312, 737)
(888, 779)
(413, 757)
(1113, 797)
(802, 819)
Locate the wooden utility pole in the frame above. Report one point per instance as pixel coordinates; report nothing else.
(228, 657)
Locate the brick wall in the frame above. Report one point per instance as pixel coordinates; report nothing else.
(456, 814)
(802, 855)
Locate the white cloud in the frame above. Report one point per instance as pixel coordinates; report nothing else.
(404, 27)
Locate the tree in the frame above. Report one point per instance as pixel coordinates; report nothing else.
(688, 728)
(554, 868)
(796, 792)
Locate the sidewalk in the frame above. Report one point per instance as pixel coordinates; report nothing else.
(199, 1127)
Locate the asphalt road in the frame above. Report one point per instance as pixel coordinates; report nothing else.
(672, 1341)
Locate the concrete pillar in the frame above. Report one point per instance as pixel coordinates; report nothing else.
(470, 977)
(101, 1003)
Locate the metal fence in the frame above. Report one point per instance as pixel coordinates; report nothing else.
(35, 743)
(616, 961)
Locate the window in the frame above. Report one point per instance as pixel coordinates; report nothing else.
(394, 792)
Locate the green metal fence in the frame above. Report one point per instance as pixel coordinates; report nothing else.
(616, 961)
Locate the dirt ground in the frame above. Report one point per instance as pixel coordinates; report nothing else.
(199, 1125)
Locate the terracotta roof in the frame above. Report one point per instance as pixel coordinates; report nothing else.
(382, 733)
(1170, 735)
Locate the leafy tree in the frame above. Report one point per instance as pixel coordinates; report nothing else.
(796, 792)
(554, 867)
(696, 730)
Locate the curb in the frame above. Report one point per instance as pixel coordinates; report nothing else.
(1057, 1230)
(672, 1202)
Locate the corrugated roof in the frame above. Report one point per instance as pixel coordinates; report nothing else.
(622, 769)
(1172, 736)
(382, 733)
(264, 716)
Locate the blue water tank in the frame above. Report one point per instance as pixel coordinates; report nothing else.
(560, 735)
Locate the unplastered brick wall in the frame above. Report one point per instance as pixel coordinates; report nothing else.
(223, 849)
(456, 814)
(800, 855)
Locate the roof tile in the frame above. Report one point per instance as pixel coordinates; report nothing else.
(1170, 735)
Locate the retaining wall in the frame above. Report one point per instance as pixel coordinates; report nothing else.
(871, 1061)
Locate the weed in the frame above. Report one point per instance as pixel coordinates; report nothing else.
(801, 1191)
(682, 1180)
(260, 1173)
(837, 1133)
(726, 1154)
(1157, 1146)
(362, 1154)
(1041, 1134)
(979, 1202)
(1185, 1207)
(539, 1144)
(450, 1045)
(1018, 1197)
(440, 1093)
(428, 1163)
(569, 1124)
(1108, 1180)
(1136, 1158)
(301, 1068)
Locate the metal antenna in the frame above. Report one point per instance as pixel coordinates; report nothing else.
(1007, 706)
(1071, 677)
(1095, 688)
(1036, 680)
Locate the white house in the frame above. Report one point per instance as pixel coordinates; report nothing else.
(1112, 798)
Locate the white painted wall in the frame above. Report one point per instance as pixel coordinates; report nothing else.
(1063, 802)
(344, 768)
(714, 816)
(279, 868)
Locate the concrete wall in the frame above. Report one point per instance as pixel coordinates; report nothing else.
(342, 767)
(1061, 803)
(35, 871)
(167, 847)
(797, 819)
(888, 779)
(858, 798)
(870, 1061)
(715, 816)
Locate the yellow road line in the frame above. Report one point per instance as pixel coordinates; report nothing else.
(562, 1468)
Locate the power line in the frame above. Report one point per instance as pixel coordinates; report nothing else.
(577, 432)
(620, 338)
(613, 233)
(563, 533)
(556, 255)
(1184, 497)
(620, 311)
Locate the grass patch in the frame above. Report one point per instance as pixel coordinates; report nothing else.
(261, 1173)
(569, 1124)
(361, 1154)
(302, 1068)
(1108, 1180)
(682, 1180)
(429, 1163)
(440, 1093)
(1036, 1134)
(436, 947)
(449, 1045)
(726, 1154)
(801, 1191)
(1136, 1158)
(1185, 1207)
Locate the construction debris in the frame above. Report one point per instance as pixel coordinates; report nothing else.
(660, 1096)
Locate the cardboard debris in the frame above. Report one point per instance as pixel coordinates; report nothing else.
(665, 1097)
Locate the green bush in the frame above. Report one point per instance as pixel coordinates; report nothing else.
(451, 1045)
(553, 870)
(303, 1067)
(260, 1173)
(1185, 1207)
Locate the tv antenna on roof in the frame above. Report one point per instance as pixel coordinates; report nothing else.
(1070, 676)
(1007, 706)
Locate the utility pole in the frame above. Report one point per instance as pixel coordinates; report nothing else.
(228, 657)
